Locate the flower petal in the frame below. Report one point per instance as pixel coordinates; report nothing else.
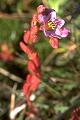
(60, 23)
(41, 18)
(53, 16)
(51, 34)
(58, 32)
(47, 33)
(64, 32)
(54, 42)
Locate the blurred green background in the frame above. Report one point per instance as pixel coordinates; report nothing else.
(59, 92)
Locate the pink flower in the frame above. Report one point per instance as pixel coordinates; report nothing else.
(51, 26)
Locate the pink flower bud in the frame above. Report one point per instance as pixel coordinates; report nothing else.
(54, 42)
(41, 8)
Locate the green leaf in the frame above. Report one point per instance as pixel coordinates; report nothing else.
(70, 86)
(60, 108)
(55, 4)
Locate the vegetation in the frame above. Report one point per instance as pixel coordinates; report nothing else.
(59, 91)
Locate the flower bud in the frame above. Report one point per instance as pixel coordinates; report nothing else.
(41, 8)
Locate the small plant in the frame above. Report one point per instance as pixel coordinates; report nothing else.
(44, 20)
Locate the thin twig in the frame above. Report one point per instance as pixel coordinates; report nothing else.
(61, 80)
(10, 75)
(52, 55)
(59, 51)
(14, 16)
(16, 110)
(12, 103)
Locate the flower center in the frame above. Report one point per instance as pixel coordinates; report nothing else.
(50, 25)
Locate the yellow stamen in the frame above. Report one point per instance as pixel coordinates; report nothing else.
(51, 25)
